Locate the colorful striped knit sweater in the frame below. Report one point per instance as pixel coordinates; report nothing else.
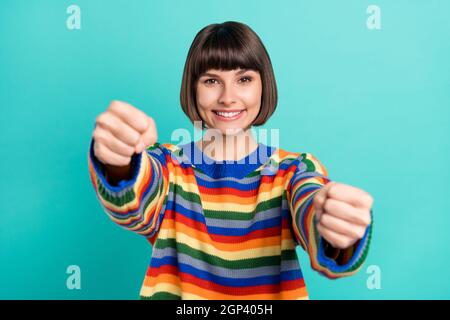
(223, 230)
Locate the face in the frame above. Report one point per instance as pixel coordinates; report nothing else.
(229, 101)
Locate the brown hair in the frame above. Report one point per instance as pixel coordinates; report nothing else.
(228, 46)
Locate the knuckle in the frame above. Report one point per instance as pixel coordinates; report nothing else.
(361, 233)
(337, 244)
(127, 148)
(117, 145)
(346, 243)
(114, 104)
(343, 243)
(98, 150)
(99, 156)
(129, 151)
(332, 187)
(325, 219)
(135, 137)
(356, 232)
(98, 146)
(369, 200)
(97, 135)
(328, 205)
(100, 118)
(125, 160)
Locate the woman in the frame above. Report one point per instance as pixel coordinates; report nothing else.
(226, 229)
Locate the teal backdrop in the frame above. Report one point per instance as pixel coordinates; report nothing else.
(372, 105)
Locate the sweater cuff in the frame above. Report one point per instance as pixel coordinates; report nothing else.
(358, 257)
(99, 169)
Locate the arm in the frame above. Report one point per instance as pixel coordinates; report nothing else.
(137, 202)
(309, 177)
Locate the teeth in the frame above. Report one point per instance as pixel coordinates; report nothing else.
(227, 114)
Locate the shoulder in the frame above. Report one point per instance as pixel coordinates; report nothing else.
(300, 161)
(177, 154)
(163, 151)
(165, 147)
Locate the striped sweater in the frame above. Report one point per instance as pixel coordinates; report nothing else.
(221, 230)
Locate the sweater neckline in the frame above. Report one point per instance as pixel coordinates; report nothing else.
(227, 168)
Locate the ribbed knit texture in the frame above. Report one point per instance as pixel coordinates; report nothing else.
(225, 230)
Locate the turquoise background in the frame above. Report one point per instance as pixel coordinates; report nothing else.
(372, 105)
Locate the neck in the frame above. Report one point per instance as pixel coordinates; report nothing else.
(228, 147)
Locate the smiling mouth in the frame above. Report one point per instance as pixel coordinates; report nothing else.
(228, 114)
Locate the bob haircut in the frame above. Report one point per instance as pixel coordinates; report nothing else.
(228, 46)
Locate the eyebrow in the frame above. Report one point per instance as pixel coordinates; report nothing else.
(216, 75)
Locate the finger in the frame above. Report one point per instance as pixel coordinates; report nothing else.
(118, 128)
(342, 227)
(132, 116)
(319, 199)
(106, 156)
(346, 193)
(335, 239)
(150, 135)
(347, 212)
(107, 138)
(323, 194)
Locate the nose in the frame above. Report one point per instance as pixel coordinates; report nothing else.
(228, 95)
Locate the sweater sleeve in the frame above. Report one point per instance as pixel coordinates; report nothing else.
(309, 177)
(137, 204)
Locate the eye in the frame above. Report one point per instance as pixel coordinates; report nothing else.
(246, 79)
(210, 80)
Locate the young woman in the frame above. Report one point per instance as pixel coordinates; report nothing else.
(226, 229)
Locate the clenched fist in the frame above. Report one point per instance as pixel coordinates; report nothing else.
(121, 131)
(342, 213)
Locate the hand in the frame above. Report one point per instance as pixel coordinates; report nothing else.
(343, 213)
(121, 131)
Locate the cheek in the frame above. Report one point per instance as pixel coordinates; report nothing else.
(205, 98)
(252, 98)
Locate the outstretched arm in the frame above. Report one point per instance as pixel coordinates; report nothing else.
(128, 169)
(334, 232)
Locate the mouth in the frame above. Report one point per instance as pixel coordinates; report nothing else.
(229, 115)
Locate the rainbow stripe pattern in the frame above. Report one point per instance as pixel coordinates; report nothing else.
(223, 230)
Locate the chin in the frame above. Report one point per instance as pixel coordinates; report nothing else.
(231, 131)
